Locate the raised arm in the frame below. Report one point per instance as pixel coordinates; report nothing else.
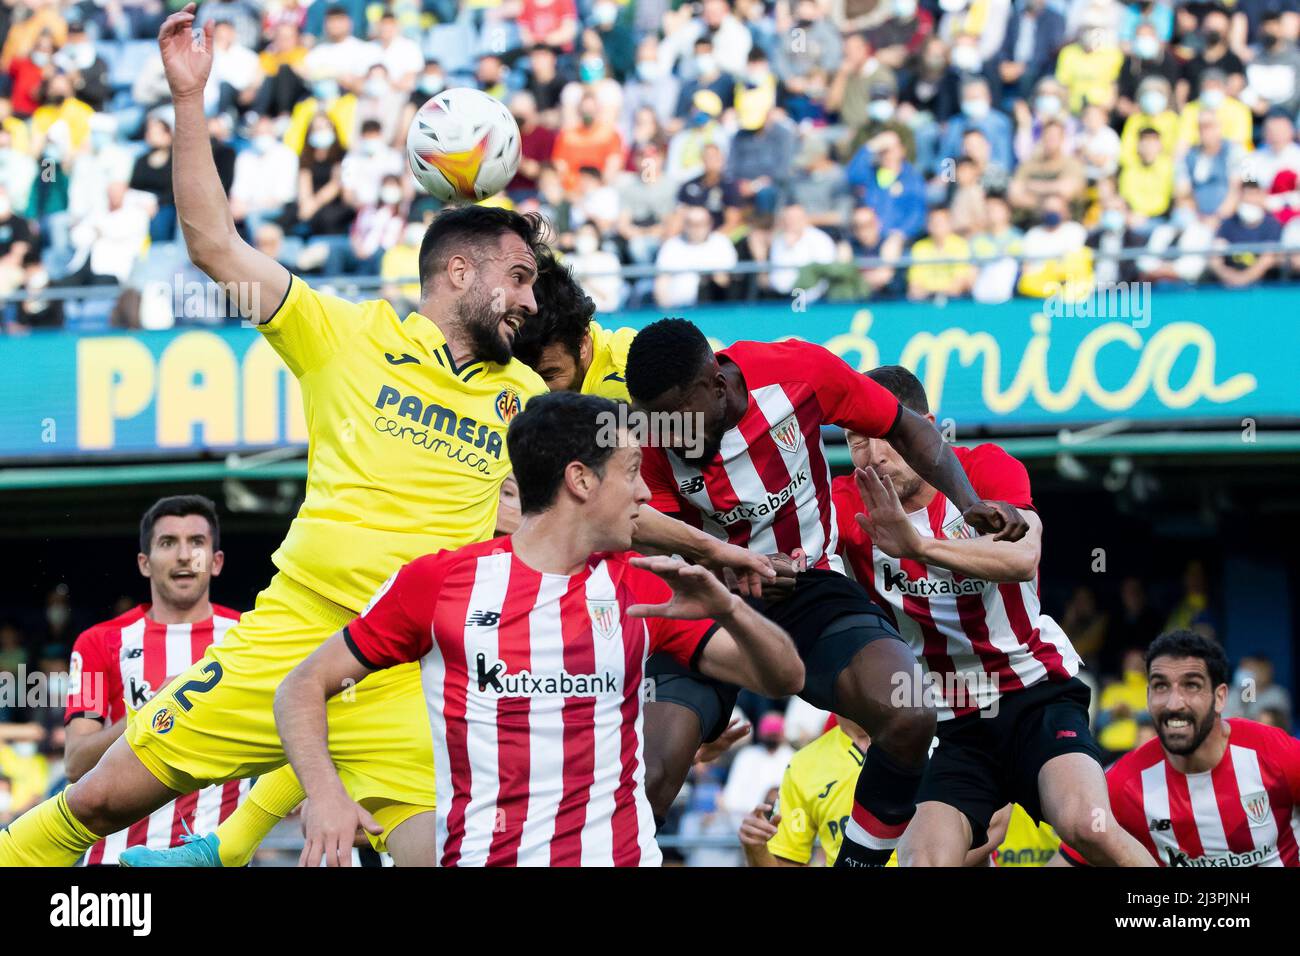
(746, 649)
(201, 203)
(332, 816)
(985, 558)
(658, 533)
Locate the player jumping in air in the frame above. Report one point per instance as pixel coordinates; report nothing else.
(571, 352)
(407, 419)
(532, 649)
(1206, 791)
(759, 478)
(119, 665)
(1013, 718)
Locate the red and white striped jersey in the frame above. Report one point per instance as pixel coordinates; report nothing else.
(534, 689)
(126, 661)
(1244, 812)
(978, 639)
(769, 487)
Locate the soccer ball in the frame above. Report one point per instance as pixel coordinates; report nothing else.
(463, 144)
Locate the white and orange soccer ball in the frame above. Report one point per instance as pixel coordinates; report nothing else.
(463, 144)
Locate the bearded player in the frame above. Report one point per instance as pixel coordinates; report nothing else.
(1206, 791)
(407, 419)
(756, 475)
(1013, 717)
(118, 665)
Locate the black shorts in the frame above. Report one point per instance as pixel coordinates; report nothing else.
(985, 760)
(711, 700)
(830, 618)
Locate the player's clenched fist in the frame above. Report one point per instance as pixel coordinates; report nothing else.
(756, 829)
(330, 827)
(187, 59)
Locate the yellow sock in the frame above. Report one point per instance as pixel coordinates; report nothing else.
(273, 797)
(46, 835)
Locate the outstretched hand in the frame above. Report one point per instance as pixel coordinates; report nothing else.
(697, 593)
(187, 58)
(885, 522)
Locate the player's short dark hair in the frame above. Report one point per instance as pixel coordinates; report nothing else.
(552, 431)
(1185, 643)
(564, 313)
(457, 228)
(664, 355)
(179, 506)
(903, 385)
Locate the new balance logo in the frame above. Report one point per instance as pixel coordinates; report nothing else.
(482, 619)
(403, 359)
(1161, 825)
(692, 486)
(131, 653)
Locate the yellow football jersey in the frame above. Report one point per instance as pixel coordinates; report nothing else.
(817, 798)
(406, 451)
(1027, 843)
(606, 374)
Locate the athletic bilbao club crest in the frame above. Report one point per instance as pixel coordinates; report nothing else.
(1256, 806)
(507, 404)
(604, 617)
(786, 434)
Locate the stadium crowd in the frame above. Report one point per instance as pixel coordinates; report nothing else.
(849, 148)
(1110, 630)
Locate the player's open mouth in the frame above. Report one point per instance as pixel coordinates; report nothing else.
(1177, 723)
(513, 322)
(183, 575)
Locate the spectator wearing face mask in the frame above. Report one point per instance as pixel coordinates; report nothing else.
(703, 74)
(322, 208)
(881, 115)
(982, 21)
(1067, 268)
(934, 84)
(152, 173)
(381, 102)
(899, 37)
(861, 71)
(1035, 32)
(1251, 223)
(266, 178)
(977, 113)
(757, 768)
(651, 84)
(1148, 58)
(731, 41)
(1047, 107)
(84, 66)
(1234, 116)
(610, 29)
(1214, 53)
(378, 226)
(1153, 112)
(367, 164)
(1273, 74)
(594, 79)
(327, 97)
(537, 144)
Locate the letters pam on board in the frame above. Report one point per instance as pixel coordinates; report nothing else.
(232, 394)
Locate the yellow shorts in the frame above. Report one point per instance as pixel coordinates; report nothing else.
(215, 722)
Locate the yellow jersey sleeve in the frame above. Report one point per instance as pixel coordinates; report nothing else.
(310, 327)
(606, 376)
(797, 830)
